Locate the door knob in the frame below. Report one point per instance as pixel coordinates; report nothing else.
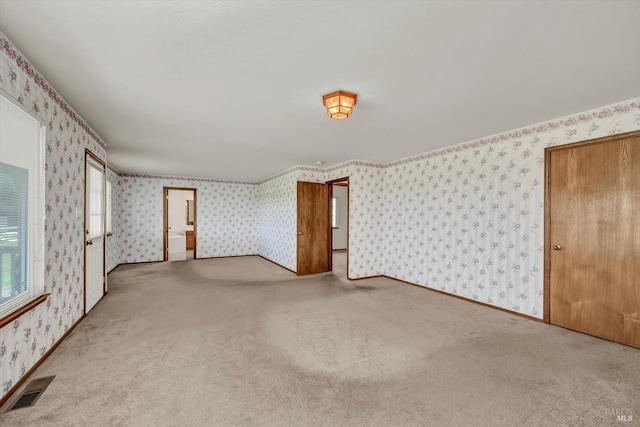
(557, 247)
(90, 242)
(300, 233)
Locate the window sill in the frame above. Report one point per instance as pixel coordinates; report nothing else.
(22, 310)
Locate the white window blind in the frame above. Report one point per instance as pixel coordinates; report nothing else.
(21, 207)
(14, 230)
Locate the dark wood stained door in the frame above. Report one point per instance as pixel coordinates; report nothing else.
(594, 264)
(313, 223)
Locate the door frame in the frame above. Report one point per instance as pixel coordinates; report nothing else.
(89, 155)
(546, 318)
(330, 231)
(165, 220)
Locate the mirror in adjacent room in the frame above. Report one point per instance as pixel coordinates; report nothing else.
(190, 211)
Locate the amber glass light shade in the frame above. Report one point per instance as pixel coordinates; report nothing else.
(339, 104)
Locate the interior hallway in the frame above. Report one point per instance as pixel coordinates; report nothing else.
(339, 263)
(241, 341)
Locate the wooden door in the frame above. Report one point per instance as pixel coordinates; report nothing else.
(94, 231)
(594, 258)
(313, 226)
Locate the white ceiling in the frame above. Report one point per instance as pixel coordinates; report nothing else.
(233, 90)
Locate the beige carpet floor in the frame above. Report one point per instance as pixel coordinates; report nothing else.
(243, 342)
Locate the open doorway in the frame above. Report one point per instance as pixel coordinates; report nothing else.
(179, 224)
(339, 235)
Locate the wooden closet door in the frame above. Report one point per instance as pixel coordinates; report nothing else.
(594, 263)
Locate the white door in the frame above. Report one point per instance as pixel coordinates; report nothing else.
(94, 223)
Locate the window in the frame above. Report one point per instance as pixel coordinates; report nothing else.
(108, 211)
(334, 213)
(95, 227)
(21, 208)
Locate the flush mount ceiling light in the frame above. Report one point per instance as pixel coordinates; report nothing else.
(339, 104)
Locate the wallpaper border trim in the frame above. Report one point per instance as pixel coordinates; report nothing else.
(341, 165)
(183, 178)
(279, 174)
(19, 60)
(570, 120)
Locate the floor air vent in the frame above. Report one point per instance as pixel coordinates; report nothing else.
(32, 393)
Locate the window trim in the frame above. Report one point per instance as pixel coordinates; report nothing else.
(36, 289)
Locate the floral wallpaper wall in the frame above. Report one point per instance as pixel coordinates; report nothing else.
(468, 220)
(113, 242)
(226, 217)
(277, 219)
(24, 341)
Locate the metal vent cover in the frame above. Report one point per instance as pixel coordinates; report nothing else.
(31, 393)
